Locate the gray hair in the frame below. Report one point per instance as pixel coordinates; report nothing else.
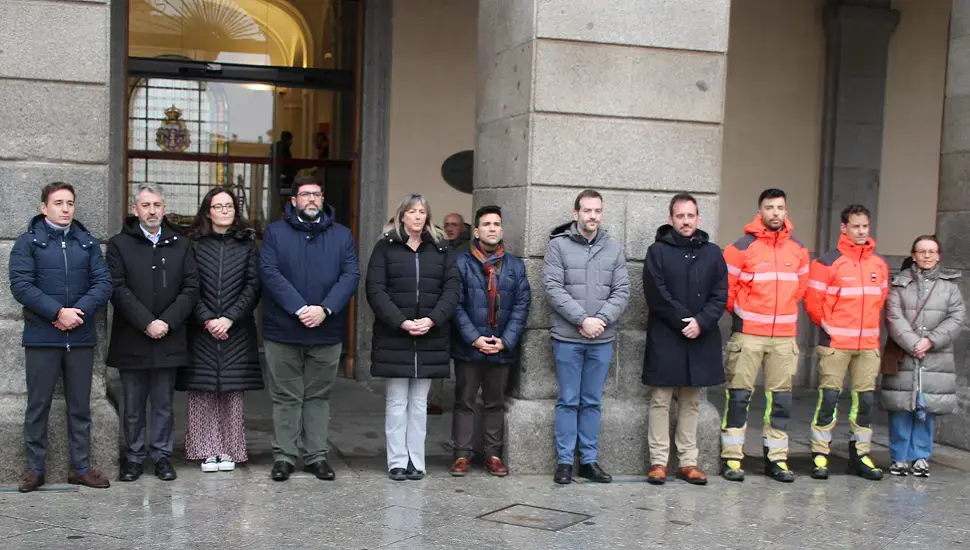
(409, 201)
(149, 187)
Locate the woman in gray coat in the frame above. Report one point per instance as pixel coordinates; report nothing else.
(925, 313)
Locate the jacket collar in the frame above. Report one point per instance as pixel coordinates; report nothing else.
(668, 235)
(42, 232)
(170, 233)
(571, 231)
(319, 226)
(852, 250)
(392, 236)
(908, 276)
(758, 229)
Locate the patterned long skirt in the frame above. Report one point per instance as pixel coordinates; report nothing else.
(215, 426)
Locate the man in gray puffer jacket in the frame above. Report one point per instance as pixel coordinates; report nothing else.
(925, 313)
(586, 282)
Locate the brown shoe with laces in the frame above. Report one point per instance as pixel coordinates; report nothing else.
(495, 467)
(460, 467)
(90, 478)
(657, 475)
(692, 475)
(30, 481)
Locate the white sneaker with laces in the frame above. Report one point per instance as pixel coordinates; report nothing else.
(226, 465)
(900, 469)
(211, 464)
(921, 468)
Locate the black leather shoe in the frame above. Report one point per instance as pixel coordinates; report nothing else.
(164, 470)
(398, 474)
(593, 472)
(131, 471)
(281, 470)
(564, 474)
(322, 470)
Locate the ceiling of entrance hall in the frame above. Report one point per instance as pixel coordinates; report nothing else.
(252, 32)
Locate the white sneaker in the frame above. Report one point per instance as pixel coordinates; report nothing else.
(900, 469)
(921, 468)
(226, 465)
(211, 464)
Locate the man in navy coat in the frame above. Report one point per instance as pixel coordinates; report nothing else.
(685, 282)
(58, 274)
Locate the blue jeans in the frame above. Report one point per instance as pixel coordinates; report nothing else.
(581, 370)
(909, 438)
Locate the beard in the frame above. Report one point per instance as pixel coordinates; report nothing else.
(310, 214)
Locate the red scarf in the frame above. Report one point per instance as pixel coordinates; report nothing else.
(491, 264)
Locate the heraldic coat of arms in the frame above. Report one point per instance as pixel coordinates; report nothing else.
(172, 135)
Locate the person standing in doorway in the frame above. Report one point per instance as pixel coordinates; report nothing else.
(846, 291)
(587, 286)
(156, 287)
(413, 286)
(489, 324)
(309, 270)
(767, 277)
(925, 313)
(685, 283)
(57, 273)
(225, 356)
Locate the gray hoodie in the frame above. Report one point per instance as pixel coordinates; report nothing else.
(584, 279)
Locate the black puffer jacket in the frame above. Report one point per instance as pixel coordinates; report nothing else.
(229, 287)
(405, 285)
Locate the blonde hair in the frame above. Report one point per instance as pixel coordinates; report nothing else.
(410, 200)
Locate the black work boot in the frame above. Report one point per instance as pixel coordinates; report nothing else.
(862, 465)
(777, 471)
(731, 470)
(821, 469)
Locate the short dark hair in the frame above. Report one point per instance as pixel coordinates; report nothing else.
(305, 180)
(485, 210)
(854, 210)
(586, 194)
(286, 134)
(939, 247)
(683, 197)
(55, 186)
(771, 194)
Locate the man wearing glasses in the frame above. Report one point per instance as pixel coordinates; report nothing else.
(309, 270)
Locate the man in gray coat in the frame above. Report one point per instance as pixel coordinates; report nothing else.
(587, 286)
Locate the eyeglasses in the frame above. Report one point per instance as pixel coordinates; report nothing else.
(928, 253)
(223, 207)
(309, 195)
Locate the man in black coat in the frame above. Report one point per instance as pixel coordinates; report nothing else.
(156, 287)
(58, 275)
(685, 282)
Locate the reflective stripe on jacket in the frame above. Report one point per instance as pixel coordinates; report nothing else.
(846, 290)
(767, 276)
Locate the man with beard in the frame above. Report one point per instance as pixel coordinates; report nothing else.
(309, 270)
(587, 287)
(156, 287)
(490, 320)
(767, 276)
(685, 283)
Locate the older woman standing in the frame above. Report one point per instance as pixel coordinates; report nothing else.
(924, 314)
(413, 286)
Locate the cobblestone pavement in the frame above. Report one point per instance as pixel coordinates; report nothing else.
(362, 509)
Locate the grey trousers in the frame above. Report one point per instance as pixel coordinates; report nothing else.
(300, 379)
(44, 367)
(140, 387)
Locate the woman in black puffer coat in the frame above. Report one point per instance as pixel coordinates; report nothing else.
(225, 358)
(413, 286)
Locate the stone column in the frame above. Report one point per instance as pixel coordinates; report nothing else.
(953, 206)
(54, 125)
(626, 97)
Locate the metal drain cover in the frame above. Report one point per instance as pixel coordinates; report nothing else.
(535, 517)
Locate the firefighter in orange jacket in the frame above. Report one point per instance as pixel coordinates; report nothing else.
(846, 291)
(767, 276)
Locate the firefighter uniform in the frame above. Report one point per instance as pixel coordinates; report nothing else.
(846, 291)
(767, 276)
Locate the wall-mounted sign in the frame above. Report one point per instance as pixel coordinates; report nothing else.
(458, 169)
(173, 135)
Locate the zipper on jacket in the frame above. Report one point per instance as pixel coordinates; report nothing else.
(774, 254)
(222, 250)
(164, 278)
(417, 303)
(67, 289)
(862, 315)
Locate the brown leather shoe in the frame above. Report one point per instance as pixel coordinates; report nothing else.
(495, 467)
(460, 467)
(91, 478)
(657, 475)
(30, 481)
(692, 475)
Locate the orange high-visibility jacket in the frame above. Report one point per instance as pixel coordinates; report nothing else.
(846, 291)
(767, 276)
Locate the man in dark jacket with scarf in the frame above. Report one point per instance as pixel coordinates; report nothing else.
(156, 287)
(685, 283)
(490, 320)
(58, 275)
(309, 269)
